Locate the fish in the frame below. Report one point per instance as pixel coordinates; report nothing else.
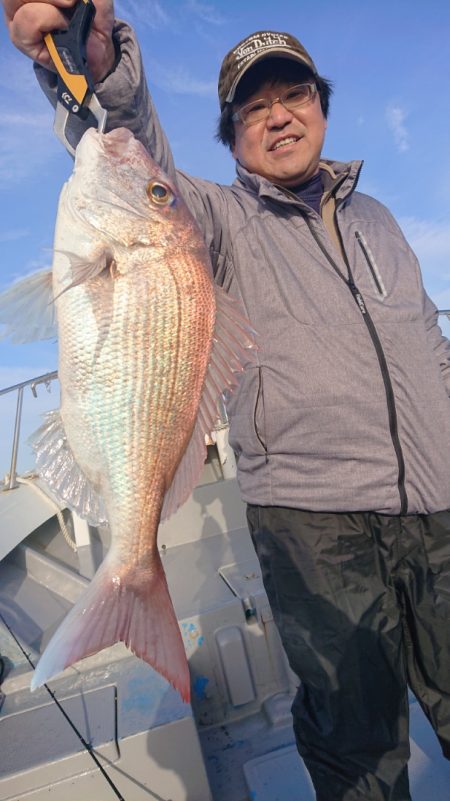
(147, 345)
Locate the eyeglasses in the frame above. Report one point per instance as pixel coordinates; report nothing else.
(258, 110)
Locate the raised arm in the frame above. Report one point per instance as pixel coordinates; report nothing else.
(115, 62)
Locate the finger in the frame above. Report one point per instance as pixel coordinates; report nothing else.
(29, 26)
(11, 7)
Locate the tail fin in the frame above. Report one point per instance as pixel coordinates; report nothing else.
(131, 606)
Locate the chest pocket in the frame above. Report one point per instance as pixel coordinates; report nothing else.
(372, 266)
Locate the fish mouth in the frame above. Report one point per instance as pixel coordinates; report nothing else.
(117, 138)
(119, 145)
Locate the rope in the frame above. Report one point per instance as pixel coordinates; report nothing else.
(30, 481)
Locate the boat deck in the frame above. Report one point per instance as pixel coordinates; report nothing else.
(234, 743)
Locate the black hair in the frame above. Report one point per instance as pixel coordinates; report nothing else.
(269, 70)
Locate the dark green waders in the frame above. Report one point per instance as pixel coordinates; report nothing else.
(362, 603)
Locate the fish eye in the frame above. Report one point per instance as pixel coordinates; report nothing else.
(159, 193)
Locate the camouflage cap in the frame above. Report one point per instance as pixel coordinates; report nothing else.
(256, 47)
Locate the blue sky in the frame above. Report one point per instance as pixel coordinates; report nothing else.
(390, 64)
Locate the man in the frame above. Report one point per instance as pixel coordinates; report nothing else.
(342, 430)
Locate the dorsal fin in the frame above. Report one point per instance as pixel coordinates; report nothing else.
(27, 310)
(232, 350)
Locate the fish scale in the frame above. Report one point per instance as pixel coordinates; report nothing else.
(145, 441)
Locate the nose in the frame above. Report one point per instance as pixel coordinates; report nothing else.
(279, 115)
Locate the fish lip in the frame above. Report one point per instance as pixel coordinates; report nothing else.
(281, 138)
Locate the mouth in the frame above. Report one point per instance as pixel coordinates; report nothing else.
(284, 142)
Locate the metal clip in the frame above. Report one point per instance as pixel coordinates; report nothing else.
(75, 89)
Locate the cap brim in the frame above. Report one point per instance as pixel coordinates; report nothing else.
(278, 51)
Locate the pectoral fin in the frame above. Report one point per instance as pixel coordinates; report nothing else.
(86, 268)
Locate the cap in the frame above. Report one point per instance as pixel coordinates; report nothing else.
(256, 47)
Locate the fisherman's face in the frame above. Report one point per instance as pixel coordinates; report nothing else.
(285, 147)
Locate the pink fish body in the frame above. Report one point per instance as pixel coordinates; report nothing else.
(137, 317)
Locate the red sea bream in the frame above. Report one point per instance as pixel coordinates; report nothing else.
(146, 346)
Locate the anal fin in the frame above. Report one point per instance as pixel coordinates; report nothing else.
(56, 465)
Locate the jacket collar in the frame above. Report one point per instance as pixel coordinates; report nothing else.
(339, 178)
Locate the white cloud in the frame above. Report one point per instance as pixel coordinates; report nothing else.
(25, 116)
(178, 80)
(442, 300)
(149, 13)
(395, 117)
(17, 159)
(14, 234)
(17, 120)
(207, 12)
(17, 76)
(430, 240)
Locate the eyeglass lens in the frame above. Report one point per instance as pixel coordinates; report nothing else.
(259, 109)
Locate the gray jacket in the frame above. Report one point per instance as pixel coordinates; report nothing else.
(348, 408)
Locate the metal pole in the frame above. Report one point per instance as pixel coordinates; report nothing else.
(223, 416)
(12, 473)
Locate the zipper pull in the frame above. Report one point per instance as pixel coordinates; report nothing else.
(357, 295)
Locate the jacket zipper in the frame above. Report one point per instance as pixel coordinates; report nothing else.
(258, 396)
(392, 411)
(390, 399)
(370, 263)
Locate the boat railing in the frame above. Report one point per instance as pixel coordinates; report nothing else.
(47, 378)
(219, 436)
(33, 383)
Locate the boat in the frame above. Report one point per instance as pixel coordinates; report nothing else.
(110, 726)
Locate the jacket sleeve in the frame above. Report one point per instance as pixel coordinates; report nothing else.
(439, 344)
(124, 93)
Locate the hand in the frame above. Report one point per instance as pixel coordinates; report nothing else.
(28, 21)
